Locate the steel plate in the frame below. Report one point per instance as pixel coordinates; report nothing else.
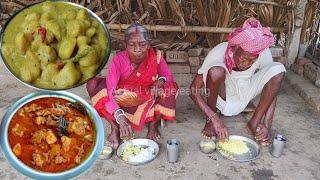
(254, 150)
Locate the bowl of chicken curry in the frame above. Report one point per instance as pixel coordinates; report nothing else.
(51, 135)
(54, 45)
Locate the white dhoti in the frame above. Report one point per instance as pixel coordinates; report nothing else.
(241, 86)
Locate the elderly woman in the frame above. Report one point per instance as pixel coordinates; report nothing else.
(235, 72)
(139, 88)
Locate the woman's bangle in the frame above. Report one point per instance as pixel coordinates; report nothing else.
(162, 78)
(116, 112)
(119, 116)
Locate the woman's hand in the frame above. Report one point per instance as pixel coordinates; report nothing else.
(126, 132)
(119, 92)
(157, 89)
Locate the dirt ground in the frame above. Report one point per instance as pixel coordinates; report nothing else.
(294, 119)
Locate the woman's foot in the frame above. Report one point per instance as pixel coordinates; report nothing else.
(153, 131)
(113, 140)
(208, 131)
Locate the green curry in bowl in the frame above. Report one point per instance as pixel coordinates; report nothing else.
(55, 45)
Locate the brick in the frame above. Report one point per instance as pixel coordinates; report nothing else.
(206, 51)
(317, 54)
(308, 92)
(315, 103)
(276, 51)
(280, 59)
(194, 61)
(297, 69)
(179, 68)
(317, 83)
(202, 58)
(301, 86)
(311, 71)
(194, 70)
(184, 80)
(195, 52)
(296, 88)
(301, 61)
(177, 57)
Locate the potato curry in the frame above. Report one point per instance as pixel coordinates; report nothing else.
(51, 134)
(54, 45)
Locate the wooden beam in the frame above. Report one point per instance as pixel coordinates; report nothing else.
(265, 2)
(172, 28)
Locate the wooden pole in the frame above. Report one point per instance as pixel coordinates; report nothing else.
(172, 28)
(265, 2)
(294, 39)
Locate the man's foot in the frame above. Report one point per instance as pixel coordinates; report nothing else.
(153, 131)
(250, 108)
(113, 139)
(251, 128)
(260, 133)
(208, 131)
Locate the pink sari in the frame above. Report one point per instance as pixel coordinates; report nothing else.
(136, 101)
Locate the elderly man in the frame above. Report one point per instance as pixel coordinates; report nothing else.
(234, 73)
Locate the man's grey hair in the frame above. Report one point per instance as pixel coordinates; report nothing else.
(136, 28)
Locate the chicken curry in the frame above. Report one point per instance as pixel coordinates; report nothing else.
(51, 134)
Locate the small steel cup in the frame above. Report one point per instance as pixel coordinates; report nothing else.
(173, 150)
(278, 145)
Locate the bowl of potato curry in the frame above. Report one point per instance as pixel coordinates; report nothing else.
(51, 135)
(54, 45)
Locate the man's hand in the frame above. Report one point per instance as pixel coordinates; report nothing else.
(220, 128)
(125, 128)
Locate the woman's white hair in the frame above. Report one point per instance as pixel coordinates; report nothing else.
(136, 28)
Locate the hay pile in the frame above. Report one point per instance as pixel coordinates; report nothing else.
(311, 30)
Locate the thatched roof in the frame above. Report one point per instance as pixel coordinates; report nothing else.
(213, 13)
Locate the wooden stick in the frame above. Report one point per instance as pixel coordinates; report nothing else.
(13, 4)
(316, 1)
(170, 28)
(265, 2)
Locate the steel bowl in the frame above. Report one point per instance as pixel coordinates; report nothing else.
(35, 174)
(92, 15)
(106, 153)
(254, 150)
(143, 142)
(207, 146)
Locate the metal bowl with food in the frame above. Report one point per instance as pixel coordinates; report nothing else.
(106, 153)
(51, 135)
(54, 45)
(207, 146)
(138, 151)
